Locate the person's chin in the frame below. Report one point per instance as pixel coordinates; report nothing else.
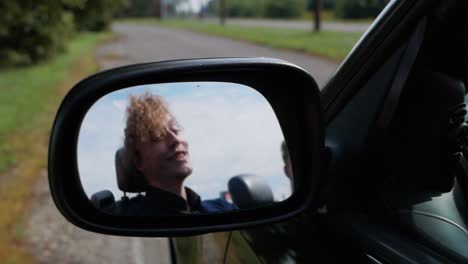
(184, 171)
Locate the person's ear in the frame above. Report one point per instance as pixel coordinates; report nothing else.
(137, 162)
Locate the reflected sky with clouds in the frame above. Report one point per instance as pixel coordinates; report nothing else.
(231, 129)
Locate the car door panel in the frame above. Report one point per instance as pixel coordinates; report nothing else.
(207, 248)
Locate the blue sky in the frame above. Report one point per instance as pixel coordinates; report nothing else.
(231, 129)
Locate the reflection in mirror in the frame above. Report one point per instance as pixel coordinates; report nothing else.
(177, 148)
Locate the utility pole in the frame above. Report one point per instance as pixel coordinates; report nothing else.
(222, 12)
(318, 14)
(162, 8)
(158, 7)
(201, 13)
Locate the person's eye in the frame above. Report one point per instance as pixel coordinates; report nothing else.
(176, 131)
(156, 139)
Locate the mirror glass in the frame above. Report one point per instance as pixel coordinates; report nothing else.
(178, 148)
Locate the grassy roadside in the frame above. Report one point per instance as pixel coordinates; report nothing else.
(329, 44)
(29, 98)
(329, 16)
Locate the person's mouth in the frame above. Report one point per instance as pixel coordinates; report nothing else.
(178, 156)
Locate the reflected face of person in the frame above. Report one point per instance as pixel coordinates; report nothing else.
(288, 171)
(165, 160)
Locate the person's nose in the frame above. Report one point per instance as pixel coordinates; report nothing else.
(174, 139)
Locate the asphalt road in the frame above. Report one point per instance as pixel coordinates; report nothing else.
(137, 43)
(54, 240)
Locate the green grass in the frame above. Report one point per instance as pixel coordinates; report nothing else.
(26, 93)
(29, 99)
(329, 44)
(329, 16)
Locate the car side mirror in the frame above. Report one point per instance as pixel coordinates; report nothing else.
(183, 128)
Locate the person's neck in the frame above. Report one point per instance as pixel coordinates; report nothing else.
(177, 188)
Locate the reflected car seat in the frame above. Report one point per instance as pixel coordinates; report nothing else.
(129, 180)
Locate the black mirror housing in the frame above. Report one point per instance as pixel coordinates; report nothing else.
(292, 93)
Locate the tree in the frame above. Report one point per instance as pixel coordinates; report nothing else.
(140, 8)
(31, 31)
(284, 8)
(151, 8)
(96, 15)
(222, 12)
(318, 17)
(326, 5)
(351, 9)
(238, 8)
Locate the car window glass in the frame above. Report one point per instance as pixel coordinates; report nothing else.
(194, 29)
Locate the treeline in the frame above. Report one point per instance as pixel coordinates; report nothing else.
(345, 9)
(31, 30)
(352, 9)
(150, 8)
(141, 8)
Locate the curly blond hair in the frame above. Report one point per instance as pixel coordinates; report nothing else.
(147, 119)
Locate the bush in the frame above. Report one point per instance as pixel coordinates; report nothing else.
(284, 8)
(352, 9)
(31, 31)
(245, 8)
(96, 15)
(140, 8)
(238, 8)
(326, 5)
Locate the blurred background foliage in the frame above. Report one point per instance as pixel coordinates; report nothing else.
(284, 8)
(354, 9)
(32, 31)
(96, 15)
(342, 9)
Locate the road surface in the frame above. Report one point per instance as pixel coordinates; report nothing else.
(137, 43)
(51, 238)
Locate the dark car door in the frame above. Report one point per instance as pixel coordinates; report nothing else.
(348, 228)
(307, 238)
(208, 248)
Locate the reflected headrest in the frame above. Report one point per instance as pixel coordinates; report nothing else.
(128, 178)
(249, 191)
(103, 200)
